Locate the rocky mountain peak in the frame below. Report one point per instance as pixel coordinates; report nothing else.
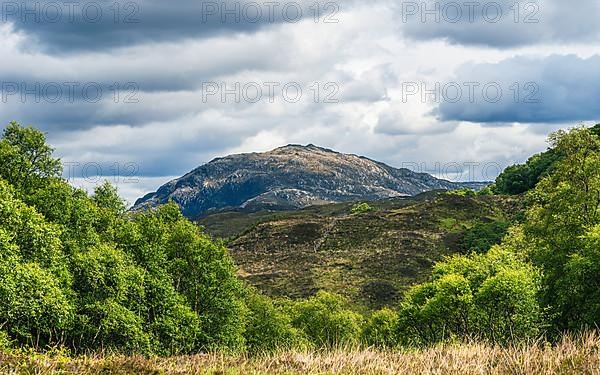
(288, 177)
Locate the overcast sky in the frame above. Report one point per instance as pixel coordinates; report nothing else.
(145, 91)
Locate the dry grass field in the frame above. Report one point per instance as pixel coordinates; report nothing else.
(573, 355)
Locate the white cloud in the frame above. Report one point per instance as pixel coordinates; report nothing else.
(369, 55)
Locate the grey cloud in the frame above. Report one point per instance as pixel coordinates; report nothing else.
(553, 89)
(94, 25)
(392, 122)
(179, 144)
(65, 27)
(500, 23)
(157, 149)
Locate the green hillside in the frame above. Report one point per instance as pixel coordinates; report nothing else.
(372, 257)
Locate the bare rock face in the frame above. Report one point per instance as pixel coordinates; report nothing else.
(289, 177)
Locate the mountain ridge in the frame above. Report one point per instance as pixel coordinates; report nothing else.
(290, 177)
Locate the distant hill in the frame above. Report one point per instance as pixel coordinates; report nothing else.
(290, 177)
(371, 258)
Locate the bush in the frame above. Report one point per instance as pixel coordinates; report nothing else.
(326, 321)
(108, 324)
(35, 310)
(491, 296)
(5, 342)
(380, 329)
(482, 236)
(269, 327)
(465, 192)
(508, 306)
(361, 208)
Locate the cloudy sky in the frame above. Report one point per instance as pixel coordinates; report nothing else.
(141, 92)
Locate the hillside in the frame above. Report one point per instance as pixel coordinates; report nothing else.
(290, 177)
(371, 257)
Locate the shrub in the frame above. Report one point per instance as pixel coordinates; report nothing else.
(492, 296)
(380, 329)
(326, 320)
(107, 324)
(5, 342)
(35, 310)
(508, 306)
(482, 236)
(269, 327)
(464, 192)
(361, 208)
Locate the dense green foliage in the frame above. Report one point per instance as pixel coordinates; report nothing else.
(380, 330)
(554, 273)
(491, 296)
(483, 235)
(269, 326)
(82, 272)
(361, 208)
(562, 227)
(326, 320)
(465, 192)
(521, 178)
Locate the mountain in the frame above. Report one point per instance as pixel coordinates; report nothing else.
(290, 177)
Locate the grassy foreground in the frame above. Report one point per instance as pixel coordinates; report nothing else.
(579, 355)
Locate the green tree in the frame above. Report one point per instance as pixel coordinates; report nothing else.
(205, 274)
(79, 270)
(491, 296)
(176, 251)
(381, 328)
(361, 208)
(560, 228)
(35, 310)
(268, 326)
(106, 197)
(521, 178)
(483, 235)
(25, 158)
(327, 321)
